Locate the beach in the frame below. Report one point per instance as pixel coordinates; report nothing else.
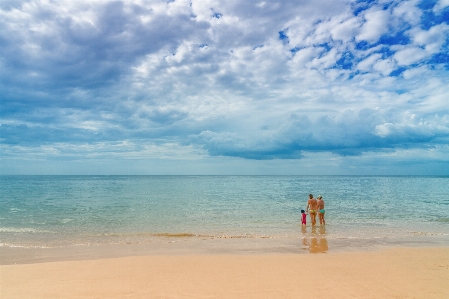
(222, 237)
(224, 149)
(386, 273)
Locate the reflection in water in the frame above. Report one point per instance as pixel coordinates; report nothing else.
(315, 242)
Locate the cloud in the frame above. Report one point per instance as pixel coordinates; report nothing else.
(425, 44)
(410, 55)
(408, 12)
(408, 127)
(87, 45)
(433, 39)
(252, 80)
(375, 26)
(349, 134)
(440, 6)
(346, 30)
(367, 64)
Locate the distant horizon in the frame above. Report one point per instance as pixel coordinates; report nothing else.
(299, 175)
(218, 87)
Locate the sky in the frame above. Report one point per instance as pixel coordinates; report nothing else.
(304, 87)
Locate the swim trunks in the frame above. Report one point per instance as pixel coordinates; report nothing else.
(312, 211)
(322, 211)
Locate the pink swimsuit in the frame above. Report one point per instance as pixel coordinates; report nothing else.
(303, 218)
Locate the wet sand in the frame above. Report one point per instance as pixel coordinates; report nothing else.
(167, 246)
(387, 273)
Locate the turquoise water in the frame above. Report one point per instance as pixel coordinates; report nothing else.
(54, 211)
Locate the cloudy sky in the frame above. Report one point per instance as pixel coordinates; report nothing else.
(224, 87)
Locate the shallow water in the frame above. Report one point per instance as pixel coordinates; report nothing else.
(60, 211)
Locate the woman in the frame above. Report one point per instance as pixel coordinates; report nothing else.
(321, 211)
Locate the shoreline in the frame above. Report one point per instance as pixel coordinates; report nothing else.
(187, 245)
(401, 272)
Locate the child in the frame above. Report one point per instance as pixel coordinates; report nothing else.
(303, 217)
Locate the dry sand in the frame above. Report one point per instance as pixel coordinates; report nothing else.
(391, 273)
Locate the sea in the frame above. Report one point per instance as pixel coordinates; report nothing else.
(361, 211)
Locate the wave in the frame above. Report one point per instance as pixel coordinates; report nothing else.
(12, 245)
(21, 230)
(443, 220)
(186, 235)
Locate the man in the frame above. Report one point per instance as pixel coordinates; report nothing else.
(313, 205)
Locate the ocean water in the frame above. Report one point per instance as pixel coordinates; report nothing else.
(62, 211)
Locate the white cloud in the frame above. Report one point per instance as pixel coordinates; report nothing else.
(367, 64)
(375, 26)
(426, 43)
(407, 11)
(429, 97)
(325, 61)
(204, 10)
(346, 30)
(150, 76)
(300, 32)
(410, 55)
(440, 5)
(410, 124)
(415, 72)
(432, 39)
(384, 66)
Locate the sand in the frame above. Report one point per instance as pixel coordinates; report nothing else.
(390, 273)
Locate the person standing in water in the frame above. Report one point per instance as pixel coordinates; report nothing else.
(303, 217)
(313, 205)
(320, 207)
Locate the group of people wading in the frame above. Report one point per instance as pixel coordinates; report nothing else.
(314, 207)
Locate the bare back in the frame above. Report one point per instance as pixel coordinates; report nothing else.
(320, 204)
(312, 204)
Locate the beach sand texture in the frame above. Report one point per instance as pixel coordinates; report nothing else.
(390, 273)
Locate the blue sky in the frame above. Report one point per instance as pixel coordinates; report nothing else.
(224, 87)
